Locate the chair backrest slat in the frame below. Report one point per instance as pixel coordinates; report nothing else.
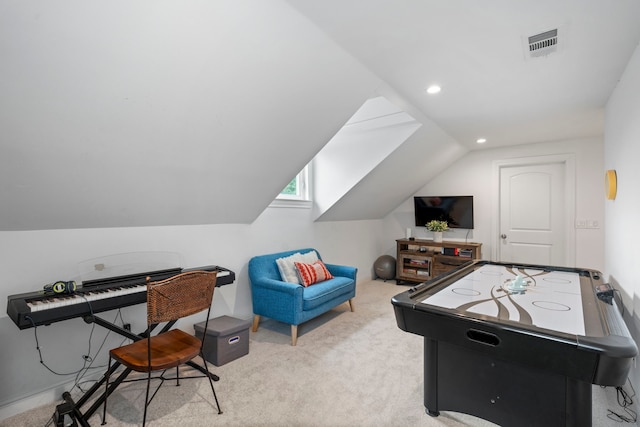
(179, 296)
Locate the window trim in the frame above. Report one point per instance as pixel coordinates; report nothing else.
(303, 200)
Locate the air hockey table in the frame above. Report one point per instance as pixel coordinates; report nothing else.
(517, 344)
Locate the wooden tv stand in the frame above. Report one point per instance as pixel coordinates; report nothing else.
(420, 260)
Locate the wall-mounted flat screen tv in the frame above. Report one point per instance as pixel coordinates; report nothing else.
(456, 210)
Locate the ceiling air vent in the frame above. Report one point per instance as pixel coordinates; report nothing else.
(543, 43)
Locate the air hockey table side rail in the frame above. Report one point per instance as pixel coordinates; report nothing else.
(603, 355)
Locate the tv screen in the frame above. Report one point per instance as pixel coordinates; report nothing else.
(456, 210)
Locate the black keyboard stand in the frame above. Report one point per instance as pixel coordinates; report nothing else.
(71, 409)
(66, 412)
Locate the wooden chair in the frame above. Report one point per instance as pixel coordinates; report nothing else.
(167, 301)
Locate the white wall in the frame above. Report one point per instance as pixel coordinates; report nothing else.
(473, 175)
(622, 151)
(31, 259)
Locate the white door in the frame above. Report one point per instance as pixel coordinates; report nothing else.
(533, 215)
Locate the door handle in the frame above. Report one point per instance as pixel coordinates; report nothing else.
(503, 236)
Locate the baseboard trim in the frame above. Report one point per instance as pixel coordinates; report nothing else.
(50, 396)
(42, 398)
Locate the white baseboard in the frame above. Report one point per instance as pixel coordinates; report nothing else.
(43, 398)
(50, 396)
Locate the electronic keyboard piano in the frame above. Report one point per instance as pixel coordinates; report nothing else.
(94, 296)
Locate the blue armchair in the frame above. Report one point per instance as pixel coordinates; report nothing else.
(293, 303)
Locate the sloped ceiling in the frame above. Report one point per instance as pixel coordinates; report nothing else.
(421, 151)
(376, 130)
(157, 112)
(119, 113)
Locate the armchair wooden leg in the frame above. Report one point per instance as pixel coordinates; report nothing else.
(256, 322)
(294, 334)
(351, 306)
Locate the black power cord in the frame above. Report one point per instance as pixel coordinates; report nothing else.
(625, 400)
(86, 357)
(88, 360)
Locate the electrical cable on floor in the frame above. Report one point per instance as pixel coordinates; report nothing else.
(625, 400)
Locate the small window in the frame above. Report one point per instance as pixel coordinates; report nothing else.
(298, 188)
(296, 193)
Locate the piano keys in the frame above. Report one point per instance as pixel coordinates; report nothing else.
(94, 296)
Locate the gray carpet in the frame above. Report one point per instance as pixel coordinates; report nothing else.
(348, 369)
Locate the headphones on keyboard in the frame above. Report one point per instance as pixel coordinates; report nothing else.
(61, 287)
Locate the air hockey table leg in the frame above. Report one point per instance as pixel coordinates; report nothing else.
(432, 413)
(431, 377)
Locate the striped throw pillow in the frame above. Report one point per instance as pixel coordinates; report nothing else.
(312, 273)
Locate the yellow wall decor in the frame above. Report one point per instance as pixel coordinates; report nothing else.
(611, 184)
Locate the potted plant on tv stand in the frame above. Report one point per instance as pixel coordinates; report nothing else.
(437, 227)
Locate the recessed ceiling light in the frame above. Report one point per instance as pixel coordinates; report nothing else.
(481, 140)
(433, 89)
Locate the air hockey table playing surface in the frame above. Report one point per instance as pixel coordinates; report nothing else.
(517, 343)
